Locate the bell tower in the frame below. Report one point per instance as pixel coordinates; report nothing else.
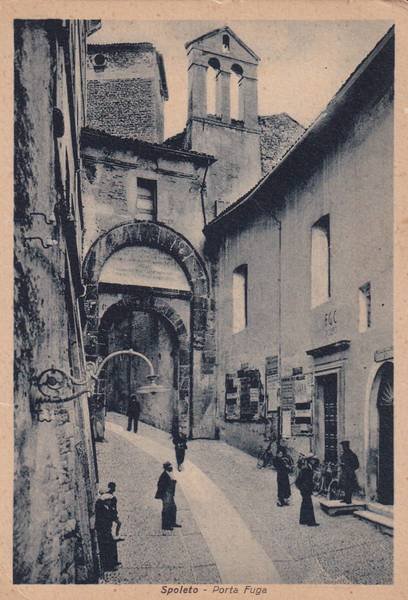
(223, 113)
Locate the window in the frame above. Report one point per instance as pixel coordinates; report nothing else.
(212, 76)
(239, 298)
(364, 301)
(99, 62)
(146, 199)
(225, 44)
(320, 261)
(236, 97)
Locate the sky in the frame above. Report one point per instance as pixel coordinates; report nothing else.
(303, 63)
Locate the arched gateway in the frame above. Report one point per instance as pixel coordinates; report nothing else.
(192, 345)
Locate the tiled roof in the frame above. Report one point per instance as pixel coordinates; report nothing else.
(139, 146)
(176, 141)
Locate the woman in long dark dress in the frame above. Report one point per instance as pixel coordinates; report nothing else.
(283, 468)
(304, 483)
(105, 515)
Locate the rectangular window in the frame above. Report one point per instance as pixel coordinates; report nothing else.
(320, 261)
(239, 298)
(364, 301)
(146, 199)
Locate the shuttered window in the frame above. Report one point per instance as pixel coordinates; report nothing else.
(146, 199)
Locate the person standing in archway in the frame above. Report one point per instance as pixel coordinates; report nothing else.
(133, 413)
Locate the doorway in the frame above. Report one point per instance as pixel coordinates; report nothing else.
(385, 407)
(326, 417)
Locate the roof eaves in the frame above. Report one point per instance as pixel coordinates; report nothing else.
(138, 145)
(230, 32)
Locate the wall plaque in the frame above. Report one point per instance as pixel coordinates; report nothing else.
(140, 265)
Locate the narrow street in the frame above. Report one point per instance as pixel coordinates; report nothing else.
(232, 531)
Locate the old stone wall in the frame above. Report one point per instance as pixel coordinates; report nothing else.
(55, 477)
(125, 96)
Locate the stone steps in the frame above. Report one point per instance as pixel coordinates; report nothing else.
(383, 523)
(381, 509)
(335, 507)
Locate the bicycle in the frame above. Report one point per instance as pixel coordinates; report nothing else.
(265, 458)
(326, 481)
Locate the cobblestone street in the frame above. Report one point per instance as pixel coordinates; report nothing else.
(232, 531)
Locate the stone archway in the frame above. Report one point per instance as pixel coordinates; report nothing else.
(380, 462)
(153, 235)
(159, 306)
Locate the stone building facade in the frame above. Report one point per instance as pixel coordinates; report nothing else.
(146, 203)
(304, 288)
(55, 472)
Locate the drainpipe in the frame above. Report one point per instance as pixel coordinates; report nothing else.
(279, 224)
(202, 193)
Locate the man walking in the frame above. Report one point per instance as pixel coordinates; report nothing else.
(180, 446)
(166, 489)
(349, 464)
(133, 413)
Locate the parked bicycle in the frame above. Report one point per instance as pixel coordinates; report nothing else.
(265, 457)
(326, 481)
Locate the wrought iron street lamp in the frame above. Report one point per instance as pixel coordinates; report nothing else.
(56, 385)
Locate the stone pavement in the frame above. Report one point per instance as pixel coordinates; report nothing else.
(232, 532)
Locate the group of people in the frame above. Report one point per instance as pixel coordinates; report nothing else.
(107, 523)
(106, 513)
(304, 481)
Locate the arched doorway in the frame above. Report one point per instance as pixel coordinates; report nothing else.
(385, 407)
(380, 467)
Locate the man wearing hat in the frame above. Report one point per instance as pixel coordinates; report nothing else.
(166, 489)
(133, 413)
(349, 464)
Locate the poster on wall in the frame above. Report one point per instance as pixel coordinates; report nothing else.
(232, 398)
(244, 397)
(286, 423)
(272, 383)
(303, 394)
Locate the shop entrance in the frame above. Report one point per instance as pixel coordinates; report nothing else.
(326, 404)
(385, 406)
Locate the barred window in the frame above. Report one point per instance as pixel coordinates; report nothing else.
(146, 199)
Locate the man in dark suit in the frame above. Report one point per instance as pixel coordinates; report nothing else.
(133, 413)
(166, 489)
(349, 464)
